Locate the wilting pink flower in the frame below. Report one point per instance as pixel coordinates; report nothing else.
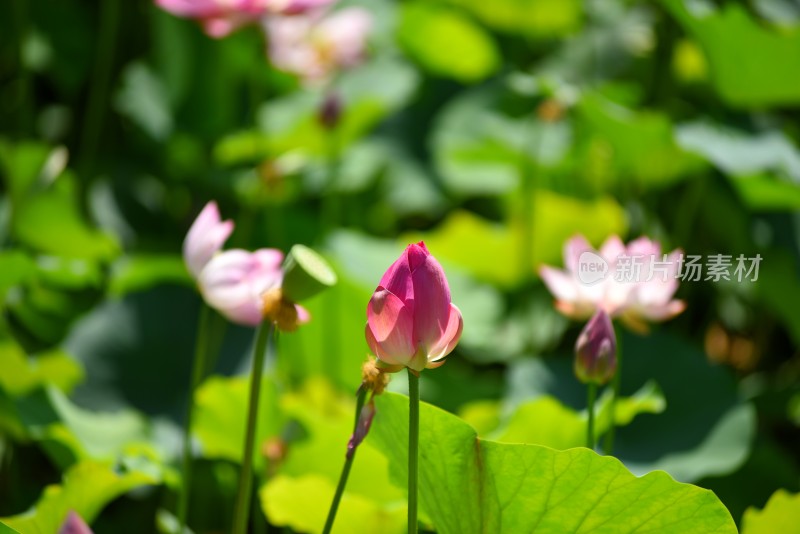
(234, 283)
(315, 45)
(596, 350)
(74, 524)
(635, 283)
(218, 17)
(410, 319)
(205, 238)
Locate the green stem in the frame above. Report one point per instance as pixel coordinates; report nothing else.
(608, 443)
(413, 449)
(348, 463)
(592, 394)
(242, 510)
(198, 371)
(98, 91)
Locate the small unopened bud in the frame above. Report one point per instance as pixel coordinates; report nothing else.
(362, 427)
(74, 524)
(330, 111)
(596, 350)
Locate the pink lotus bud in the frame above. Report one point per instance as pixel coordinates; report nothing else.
(362, 427)
(596, 350)
(205, 238)
(74, 524)
(410, 319)
(330, 111)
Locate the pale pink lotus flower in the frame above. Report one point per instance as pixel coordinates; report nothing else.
(221, 17)
(205, 238)
(235, 281)
(315, 45)
(638, 284)
(411, 321)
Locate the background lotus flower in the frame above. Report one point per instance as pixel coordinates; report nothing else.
(205, 238)
(235, 282)
(410, 319)
(646, 297)
(315, 45)
(218, 17)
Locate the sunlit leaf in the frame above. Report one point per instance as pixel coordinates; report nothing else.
(371, 504)
(751, 64)
(446, 42)
(20, 374)
(781, 514)
(472, 485)
(546, 421)
(539, 18)
(220, 417)
(86, 489)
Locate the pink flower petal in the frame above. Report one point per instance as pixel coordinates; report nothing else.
(573, 249)
(205, 238)
(390, 328)
(563, 285)
(431, 303)
(450, 337)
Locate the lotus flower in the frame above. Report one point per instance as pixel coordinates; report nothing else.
(205, 238)
(410, 319)
(218, 17)
(635, 283)
(236, 281)
(314, 46)
(596, 350)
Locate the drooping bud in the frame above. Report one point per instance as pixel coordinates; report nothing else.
(74, 524)
(330, 111)
(362, 427)
(596, 350)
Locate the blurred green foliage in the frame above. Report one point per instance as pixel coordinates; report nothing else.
(492, 130)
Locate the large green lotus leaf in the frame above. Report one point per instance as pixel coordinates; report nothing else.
(21, 374)
(537, 18)
(22, 164)
(546, 421)
(474, 244)
(781, 514)
(705, 430)
(479, 149)
(752, 64)
(5, 529)
(370, 499)
(70, 434)
(86, 489)
(16, 268)
(764, 168)
(220, 416)
(50, 222)
(469, 485)
(626, 145)
(447, 43)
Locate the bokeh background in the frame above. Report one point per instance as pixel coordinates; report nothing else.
(492, 130)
